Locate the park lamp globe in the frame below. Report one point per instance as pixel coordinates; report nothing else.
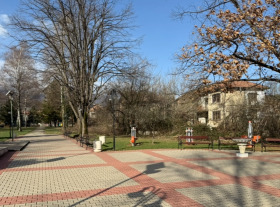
(10, 94)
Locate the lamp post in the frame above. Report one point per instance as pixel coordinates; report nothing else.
(25, 117)
(112, 100)
(10, 95)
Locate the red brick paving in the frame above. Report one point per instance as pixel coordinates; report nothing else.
(165, 191)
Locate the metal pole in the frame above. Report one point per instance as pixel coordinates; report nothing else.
(12, 120)
(11, 128)
(25, 118)
(114, 136)
(113, 94)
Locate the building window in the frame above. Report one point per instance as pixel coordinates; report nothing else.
(252, 98)
(206, 101)
(216, 115)
(216, 98)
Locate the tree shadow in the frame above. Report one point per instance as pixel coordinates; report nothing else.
(244, 188)
(47, 140)
(21, 163)
(56, 159)
(36, 136)
(150, 169)
(24, 162)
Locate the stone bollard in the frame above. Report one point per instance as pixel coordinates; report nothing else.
(97, 146)
(242, 149)
(102, 139)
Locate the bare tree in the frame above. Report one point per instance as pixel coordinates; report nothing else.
(238, 40)
(132, 91)
(145, 102)
(84, 43)
(157, 116)
(18, 74)
(51, 106)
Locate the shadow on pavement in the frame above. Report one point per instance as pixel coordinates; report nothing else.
(144, 199)
(46, 140)
(6, 159)
(25, 162)
(150, 169)
(30, 136)
(21, 163)
(244, 188)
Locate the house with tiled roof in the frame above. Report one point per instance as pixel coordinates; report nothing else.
(212, 104)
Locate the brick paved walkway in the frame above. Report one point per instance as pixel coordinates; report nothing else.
(55, 171)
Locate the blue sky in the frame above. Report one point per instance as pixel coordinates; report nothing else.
(162, 36)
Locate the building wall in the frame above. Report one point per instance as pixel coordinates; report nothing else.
(228, 102)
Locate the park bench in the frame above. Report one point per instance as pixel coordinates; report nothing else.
(270, 142)
(195, 140)
(85, 141)
(66, 134)
(228, 141)
(73, 136)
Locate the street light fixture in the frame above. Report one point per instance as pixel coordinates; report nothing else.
(112, 100)
(10, 95)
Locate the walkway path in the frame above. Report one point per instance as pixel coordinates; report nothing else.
(55, 171)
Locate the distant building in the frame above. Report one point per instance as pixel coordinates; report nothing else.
(93, 110)
(210, 105)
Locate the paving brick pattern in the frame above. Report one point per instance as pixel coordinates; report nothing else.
(273, 183)
(170, 172)
(241, 167)
(56, 171)
(194, 154)
(56, 160)
(230, 196)
(134, 157)
(119, 200)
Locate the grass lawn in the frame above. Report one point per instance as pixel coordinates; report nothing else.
(142, 143)
(5, 132)
(167, 143)
(123, 143)
(146, 143)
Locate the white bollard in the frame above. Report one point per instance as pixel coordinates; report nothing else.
(97, 146)
(102, 139)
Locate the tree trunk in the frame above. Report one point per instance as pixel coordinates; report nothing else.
(153, 132)
(79, 120)
(18, 120)
(85, 124)
(63, 114)
(18, 111)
